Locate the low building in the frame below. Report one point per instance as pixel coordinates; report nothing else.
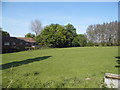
(11, 44)
(112, 80)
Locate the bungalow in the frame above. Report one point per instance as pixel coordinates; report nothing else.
(11, 44)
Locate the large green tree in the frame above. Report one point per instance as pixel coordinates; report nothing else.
(53, 35)
(56, 35)
(70, 35)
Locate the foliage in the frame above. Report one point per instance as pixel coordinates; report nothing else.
(67, 67)
(4, 33)
(70, 35)
(105, 34)
(29, 35)
(90, 43)
(56, 35)
(80, 40)
(53, 36)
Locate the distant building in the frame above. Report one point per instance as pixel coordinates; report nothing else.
(11, 44)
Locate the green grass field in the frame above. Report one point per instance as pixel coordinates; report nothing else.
(77, 67)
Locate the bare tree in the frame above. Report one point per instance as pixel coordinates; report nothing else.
(36, 26)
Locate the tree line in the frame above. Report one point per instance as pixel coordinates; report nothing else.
(56, 35)
(105, 34)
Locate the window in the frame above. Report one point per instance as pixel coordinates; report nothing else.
(26, 43)
(21, 43)
(14, 43)
(6, 43)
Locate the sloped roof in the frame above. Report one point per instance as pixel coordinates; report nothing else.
(18, 39)
(26, 39)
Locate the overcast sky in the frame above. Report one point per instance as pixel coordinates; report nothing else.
(17, 16)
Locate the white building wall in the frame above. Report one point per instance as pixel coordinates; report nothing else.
(112, 83)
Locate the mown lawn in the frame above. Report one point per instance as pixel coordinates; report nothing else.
(77, 67)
